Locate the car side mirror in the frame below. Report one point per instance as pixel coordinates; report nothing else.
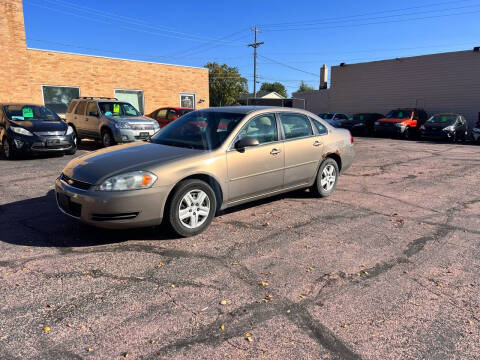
(245, 142)
(93, 113)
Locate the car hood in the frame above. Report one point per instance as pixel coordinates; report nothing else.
(139, 119)
(94, 167)
(392, 120)
(40, 125)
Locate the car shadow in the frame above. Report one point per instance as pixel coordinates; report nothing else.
(37, 222)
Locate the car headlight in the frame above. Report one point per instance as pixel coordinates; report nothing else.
(449, 128)
(69, 130)
(129, 181)
(400, 125)
(477, 130)
(122, 125)
(377, 123)
(21, 131)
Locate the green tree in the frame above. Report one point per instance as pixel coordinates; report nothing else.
(226, 84)
(279, 88)
(305, 87)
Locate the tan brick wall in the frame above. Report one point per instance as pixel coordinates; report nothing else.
(14, 70)
(23, 71)
(97, 76)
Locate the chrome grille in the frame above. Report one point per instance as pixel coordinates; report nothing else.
(141, 126)
(49, 133)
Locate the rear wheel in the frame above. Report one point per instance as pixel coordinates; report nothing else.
(107, 138)
(327, 178)
(8, 149)
(192, 207)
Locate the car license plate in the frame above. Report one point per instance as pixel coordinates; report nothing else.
(53, 142)
(144, 134)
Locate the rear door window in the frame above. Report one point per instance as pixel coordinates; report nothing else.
(80, 110)
(71, 106)
(295, 125)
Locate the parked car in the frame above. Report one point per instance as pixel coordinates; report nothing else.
(207, 160)
(476, 133)
(363, 123)
(109, 120)
(401, 122)
(166, 115)
(334, 119)
(450, 127)
(29, 128)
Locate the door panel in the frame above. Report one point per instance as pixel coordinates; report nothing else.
(255, 171)
(79, 118)
(302, 157)
(92, 122)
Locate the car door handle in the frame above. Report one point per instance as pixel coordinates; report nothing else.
(274, 152)
(317, 143)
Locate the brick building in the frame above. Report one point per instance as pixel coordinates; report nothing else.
(53, 78)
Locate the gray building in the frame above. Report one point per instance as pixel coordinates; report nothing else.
(446, 82)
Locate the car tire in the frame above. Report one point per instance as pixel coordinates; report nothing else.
(187, 217)
(8, 149)
(76, 140)
(327, 178)
(107, 138)
(407, 133)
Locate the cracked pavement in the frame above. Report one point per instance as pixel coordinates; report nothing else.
(386, 268)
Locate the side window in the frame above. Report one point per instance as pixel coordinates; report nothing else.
(80, 110)
(322, 130)
(262, 127)
(295, 125)
(92, 108)
(343, 116)
(162, 113)
(171, 114)
(71, 106)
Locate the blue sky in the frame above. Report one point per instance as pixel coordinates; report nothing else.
(299, 36)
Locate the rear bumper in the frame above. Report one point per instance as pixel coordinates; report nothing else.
(112, 209)
(347, 157)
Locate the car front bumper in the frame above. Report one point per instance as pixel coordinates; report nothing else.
(41, 144)
(389, 129)
(112, 209)
(437, 135)
(129, 135)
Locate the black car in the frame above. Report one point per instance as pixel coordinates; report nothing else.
(451, 127)
(26, 128)
(362, 124)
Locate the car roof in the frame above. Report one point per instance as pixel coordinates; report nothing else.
(247, 109)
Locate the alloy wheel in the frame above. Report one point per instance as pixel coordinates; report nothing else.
(194, 209)
(329, 176)
(107, 140)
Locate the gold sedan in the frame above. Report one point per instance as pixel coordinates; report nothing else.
(207, 160)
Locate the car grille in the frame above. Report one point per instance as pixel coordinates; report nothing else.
(110, 217)
(75, 183)
(141, 126)
(49, 133)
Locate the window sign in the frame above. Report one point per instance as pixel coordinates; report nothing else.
(57, 98)
(27, 112)
(187, 101)
(133, 97)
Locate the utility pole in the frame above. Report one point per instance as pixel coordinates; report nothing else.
(255, 45)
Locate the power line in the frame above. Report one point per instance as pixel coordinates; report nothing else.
(288, 66)
(337, 18)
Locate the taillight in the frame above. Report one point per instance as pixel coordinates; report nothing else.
(351, 138)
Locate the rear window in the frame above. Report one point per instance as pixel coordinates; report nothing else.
(80, 110)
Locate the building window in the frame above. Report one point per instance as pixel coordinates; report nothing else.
(57, 98)
(134, 97)
(187, 100)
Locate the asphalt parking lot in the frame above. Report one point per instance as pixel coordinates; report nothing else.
(386, 268)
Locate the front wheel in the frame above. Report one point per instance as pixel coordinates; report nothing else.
(192, 207)
(327, 178)
(8, 149)
(107, 138)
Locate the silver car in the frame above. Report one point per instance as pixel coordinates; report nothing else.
(110, 120)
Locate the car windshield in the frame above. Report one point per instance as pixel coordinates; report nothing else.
(202, 130)
(185, 111)
(117, 109)
(326, 116)
(399, 114)
(29, 113)
(442, 119)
